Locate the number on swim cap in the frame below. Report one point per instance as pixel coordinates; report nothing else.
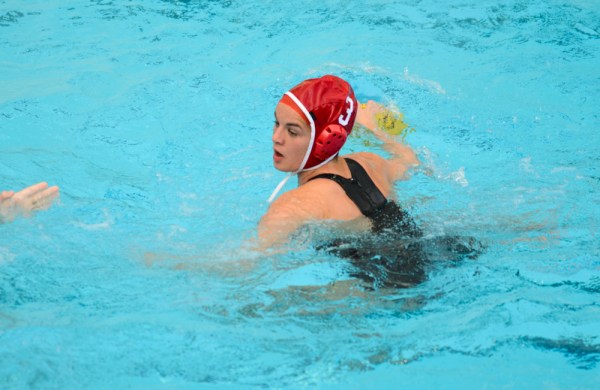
(344, 121)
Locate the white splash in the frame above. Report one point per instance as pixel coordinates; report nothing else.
(366, 67)
(525, 164)
(433, 86)
(107, 223)
(459, 177)
(428, 168)
(6, 256)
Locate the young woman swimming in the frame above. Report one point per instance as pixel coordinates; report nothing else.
(312, 123)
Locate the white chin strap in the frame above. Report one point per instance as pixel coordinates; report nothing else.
(280, 186)
(287, 177)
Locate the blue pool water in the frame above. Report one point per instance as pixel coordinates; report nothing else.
(154, 118)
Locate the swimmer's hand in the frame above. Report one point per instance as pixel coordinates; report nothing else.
(27, 201)
(367, 112)
(376, 117)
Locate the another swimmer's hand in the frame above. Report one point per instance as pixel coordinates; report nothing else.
(23, 203)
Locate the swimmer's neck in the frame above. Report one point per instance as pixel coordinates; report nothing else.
(336, 166)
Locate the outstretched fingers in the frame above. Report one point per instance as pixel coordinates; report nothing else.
(30, 191)
(36, 197)
(5, 195)
(44, 199)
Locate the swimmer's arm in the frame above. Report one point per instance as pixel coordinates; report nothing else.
(247, 256)
(282, 219)
(22, 203)
(285, 216)
(200, 263)
(403, 156)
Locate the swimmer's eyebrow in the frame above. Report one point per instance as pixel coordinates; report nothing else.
(289, 123)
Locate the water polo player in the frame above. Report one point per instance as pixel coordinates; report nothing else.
(312, 123)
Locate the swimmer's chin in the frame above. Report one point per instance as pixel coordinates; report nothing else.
(284, 169)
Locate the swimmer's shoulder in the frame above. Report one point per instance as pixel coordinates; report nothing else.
(316, 200)
(380, 168)
(290, 211)
(303, 203)
(367, 159)
(373, 163)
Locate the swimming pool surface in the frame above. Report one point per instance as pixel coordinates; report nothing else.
(154, 118)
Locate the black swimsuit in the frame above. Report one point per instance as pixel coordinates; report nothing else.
(395, 255)
(384, 214)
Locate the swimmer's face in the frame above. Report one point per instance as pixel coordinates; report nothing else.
(291, 137)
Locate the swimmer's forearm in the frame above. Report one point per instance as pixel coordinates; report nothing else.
(199, 263)
(367, 117)
(398, 150)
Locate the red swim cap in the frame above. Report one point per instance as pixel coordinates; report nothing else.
(329, 107)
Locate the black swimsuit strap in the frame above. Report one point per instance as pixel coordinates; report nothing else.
(360, 188)
(365, 181)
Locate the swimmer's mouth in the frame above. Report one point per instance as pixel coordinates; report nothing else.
(277, 157)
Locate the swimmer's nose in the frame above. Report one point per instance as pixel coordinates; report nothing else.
(277, 135)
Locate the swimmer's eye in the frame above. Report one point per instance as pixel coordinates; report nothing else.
(291, 130)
